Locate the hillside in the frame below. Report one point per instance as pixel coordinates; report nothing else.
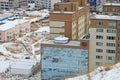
(101, 73)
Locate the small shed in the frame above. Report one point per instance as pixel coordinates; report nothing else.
(25, 67)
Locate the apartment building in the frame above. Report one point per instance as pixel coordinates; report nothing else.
(70, 18)
(22, 3)
(12, 29)
(12, 4)
(63, 58)
(104, 44)
(45, 4)
(112, 1)
(111, 8)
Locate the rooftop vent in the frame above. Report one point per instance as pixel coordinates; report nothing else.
(61, 40)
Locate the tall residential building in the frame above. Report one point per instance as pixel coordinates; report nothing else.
(70, 18)
(104, 42)
(111, 8)
(45, 4)
(12, 4)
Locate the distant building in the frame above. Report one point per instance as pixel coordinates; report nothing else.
(111, 8)
(45, 4)
(104, 42)
(70, 18)
(31, 1)
(96, 5)
(12, 4)
(12, 29)
(113, 1)
(61, 58)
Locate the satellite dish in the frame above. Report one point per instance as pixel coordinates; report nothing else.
(61, 40)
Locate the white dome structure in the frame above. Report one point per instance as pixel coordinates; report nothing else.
(61, 40)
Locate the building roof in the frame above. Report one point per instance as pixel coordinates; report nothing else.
(5, 14)
(43, 29)
(107, 17)
(10, 24)
(112, 4)
(23, 64)
(64, 12)
(42, 13)
(70, 43)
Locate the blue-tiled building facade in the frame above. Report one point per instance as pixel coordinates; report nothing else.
(94, 4)
(58, 62)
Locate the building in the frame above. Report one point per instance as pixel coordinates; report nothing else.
(31, 1)
(70, 19)
(11, 29)
(104, 42)
(111, 8)
(25, 67)
(63, 58)
(22, 3)
(112, 1)
(45, 4)
(12, 4)
(96, 5)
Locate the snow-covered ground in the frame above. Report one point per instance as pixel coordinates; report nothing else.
(43, 13)
(101, 73)
(19, 50)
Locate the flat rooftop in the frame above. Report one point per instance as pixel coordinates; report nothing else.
(10, 24)
(70, 43)
(112, 4)
(106, 17)
(65, 12)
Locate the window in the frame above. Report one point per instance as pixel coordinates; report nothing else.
(65, 9)
(118, 45)
(99, 57)
(111, 31)
(111, 44)
(110, 37)
(99, 50)
(99, 30)
(106, 9)
(98, 63)
(99, 23)
(115, 9)
(109, 58)
(111, 24)
(99, 37)
(55, 60)
(110, 51)
(119, 38)
(118, 31)
(99, 43)
(118, 52)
